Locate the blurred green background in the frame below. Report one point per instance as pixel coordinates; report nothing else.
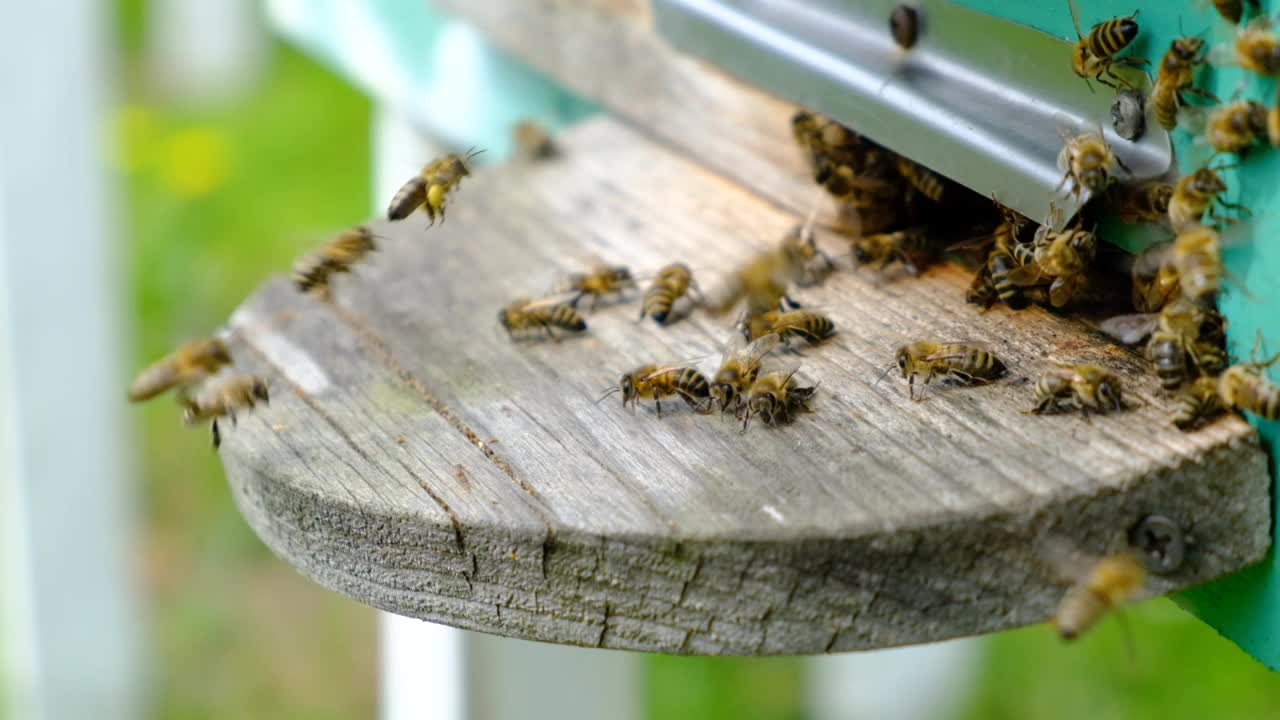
(218, 197)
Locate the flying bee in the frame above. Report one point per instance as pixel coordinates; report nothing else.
(525, 315)
(656, 382)
(911, 247)
(1256, 48)
(1146, 202)
(739, 367)
(189, 364)
(800, 245)
(1196, 193)
(763, 280)
(430, 188)
(224, 398)
(1083, 387)
(776, 397)
(1155, 279)
(1197, 258)
(532, 141)
(599, 281)
(669, 285)
(1095, 53)
(1230, 127)
(807, 324)
(1197, 403)
(1110, 583)
(966, 363)
(924, 180)
(1061, 259)
(1244, 387)
(313, 271)
(1177, 73)
(1087, 161)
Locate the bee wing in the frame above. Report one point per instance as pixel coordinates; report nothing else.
(951, 353)
(1223, 53)
(1028, 274)
(1130, 329)
(556, 299)
(1149, 261)
(1236, 235)
(751, 354)
(1194, 118)
(676, 365)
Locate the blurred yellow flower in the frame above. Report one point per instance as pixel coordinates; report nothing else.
(134, 129)
(195, 161)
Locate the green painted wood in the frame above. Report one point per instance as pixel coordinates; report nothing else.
(1244, 607)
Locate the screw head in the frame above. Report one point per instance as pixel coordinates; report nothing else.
(1161, 543)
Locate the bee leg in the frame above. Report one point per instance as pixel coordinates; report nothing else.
(658, 403)
(217, 436)
(1204, 94)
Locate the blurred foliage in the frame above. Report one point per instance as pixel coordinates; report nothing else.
(216, 199)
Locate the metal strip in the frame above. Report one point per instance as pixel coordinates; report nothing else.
(978, 99)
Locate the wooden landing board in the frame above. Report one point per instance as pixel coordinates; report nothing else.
(417, 460)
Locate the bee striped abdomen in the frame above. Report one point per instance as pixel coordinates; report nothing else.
(565, 316)
(693, 384)
(1167, 355)
(1106, 39)
(407, 199)
(922, 179)
(982, 364)
(999, 264)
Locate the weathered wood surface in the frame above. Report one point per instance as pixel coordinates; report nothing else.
(417, 460)
(609, 51)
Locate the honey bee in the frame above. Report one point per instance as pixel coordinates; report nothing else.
(763, 280)
(1095, 53)
(1232, 10)
(1146, 202)
(189, 364)
(739, 367)
(1110, 583)
(1177, 73)
(1197, 258)
(525, 315)
(924, 180)
(966, 363)
(1087, 161)
(1244, 387)
(313, 271)
(1256, 49)
(981, 290)
(1062, 259)
(776, 397)
(1196, 193)
(656, 382)
(807, 324)
(1197, 403)
(1273, 124)
(669, 285)
(1230, 127)
(911, 247)
(904, 25)
(1083, 387)
(801, 246)
(532, 141)
(599, 281)
(224, 398)
(1185, 336)
(1155, 280)
(430, 188)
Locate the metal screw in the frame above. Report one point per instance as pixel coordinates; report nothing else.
(1161, 542)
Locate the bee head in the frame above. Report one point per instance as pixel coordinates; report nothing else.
(1109, 394)
(725, 393)
(504, 317)
(1207, 181)
(1094, 177)
(861, 254)
(628, 388)
(259, 390)
(1186, 48)
(764, 404)
(903, 360)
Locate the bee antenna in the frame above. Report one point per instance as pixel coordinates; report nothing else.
(883, 374)
(472, 152)
(607, 393)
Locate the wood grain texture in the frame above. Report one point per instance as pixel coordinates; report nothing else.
(608, 51)
(417, 460)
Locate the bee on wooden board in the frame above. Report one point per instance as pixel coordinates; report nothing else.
(1061, 259)
(224, 397)
(1082, 387)
(1086, 160)
(1095, 54)
(524, 316)
(189, 364)
(739, 368)
(787, 324)
(1111, 582)
(671, 283)
(1197, 193)
(601, 280)
(313, 271)
(1146, 202)
(1231, 127)
(910, 247)
(658, 381)
(1244, 387)
(1256, 48)
(1176, 75)
(430, 189)
(966, 363)
(776, 397)
(1197, 403)
(532, 141)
